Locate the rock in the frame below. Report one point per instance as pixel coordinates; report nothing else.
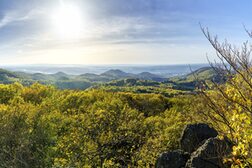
(210, 154)
(194, 135)
(174, 159)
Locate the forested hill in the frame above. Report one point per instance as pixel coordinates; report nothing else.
(111, 77)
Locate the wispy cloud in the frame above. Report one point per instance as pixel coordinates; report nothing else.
(6, 20)
(113, 29)
(18, 16)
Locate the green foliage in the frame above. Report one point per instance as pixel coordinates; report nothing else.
(142, 87)
(25, 136)
(8, 92)
(190, 81)
(7, 76)
(72, 84)
(228, 108)
(36, 93)
(114, 80)
(45, 127)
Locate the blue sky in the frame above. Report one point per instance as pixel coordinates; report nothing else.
(117, 31)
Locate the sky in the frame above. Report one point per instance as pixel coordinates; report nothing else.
(117, 31)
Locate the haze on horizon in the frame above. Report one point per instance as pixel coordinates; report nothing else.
(116, 31)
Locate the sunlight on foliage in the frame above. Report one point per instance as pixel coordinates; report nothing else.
(43, 126)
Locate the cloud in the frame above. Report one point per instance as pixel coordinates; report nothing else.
(18, 16)
(6, 20)
(114, 29)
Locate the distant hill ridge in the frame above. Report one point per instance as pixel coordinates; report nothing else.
(116, 73)
(87, 79)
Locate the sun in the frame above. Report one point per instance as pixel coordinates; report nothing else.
(67, 21)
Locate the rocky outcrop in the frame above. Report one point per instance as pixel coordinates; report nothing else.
(194, 134)
(200, 148)
(173, 159)
(210, 154)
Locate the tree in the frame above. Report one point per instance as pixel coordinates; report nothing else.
(230, 104)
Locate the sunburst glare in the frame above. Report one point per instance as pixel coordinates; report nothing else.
(67, 21)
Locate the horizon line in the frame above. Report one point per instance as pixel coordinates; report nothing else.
(48, 64)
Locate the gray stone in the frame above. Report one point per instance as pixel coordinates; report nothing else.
(193, 136)
(210, 154)
(173, 159)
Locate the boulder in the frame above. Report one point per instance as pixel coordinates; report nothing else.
(210, 154)
(194, 134)
(173, 159)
